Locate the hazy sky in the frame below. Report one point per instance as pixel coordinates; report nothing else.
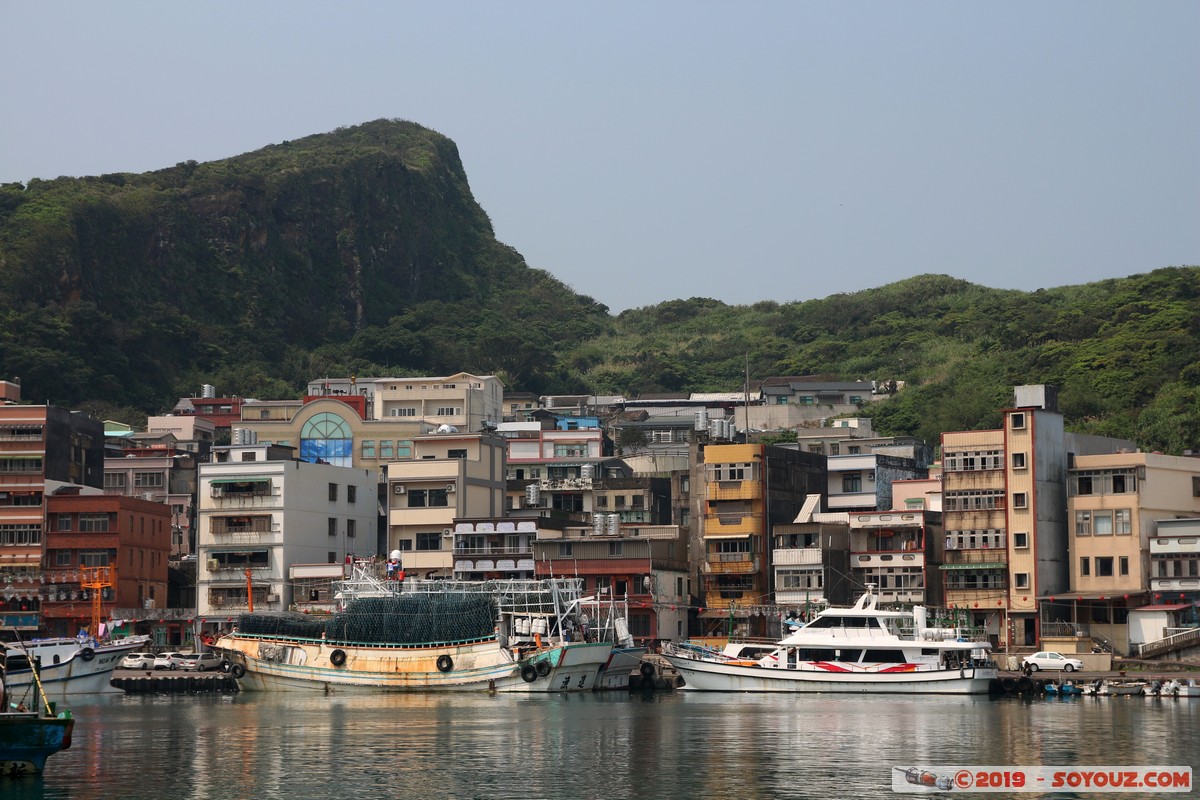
(647, 151)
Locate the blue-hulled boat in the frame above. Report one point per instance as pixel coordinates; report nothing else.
(31, 730)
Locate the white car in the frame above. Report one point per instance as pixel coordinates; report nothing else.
(1048, 660)
(202, 661)
(169, 660)
(138, 661)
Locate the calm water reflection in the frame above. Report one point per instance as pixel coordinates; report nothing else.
(583, 746)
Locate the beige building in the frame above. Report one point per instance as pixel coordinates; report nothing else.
(1119, 559)
(462, 400)
(448, 476)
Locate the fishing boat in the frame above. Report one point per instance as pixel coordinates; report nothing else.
(607, 620)
(1180, 688)
(69, 666)
(859, 649)
(1067, 689)
(431, 635)
(31, 729)
(1110, 688)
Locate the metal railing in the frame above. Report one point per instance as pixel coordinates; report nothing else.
(1172, 642)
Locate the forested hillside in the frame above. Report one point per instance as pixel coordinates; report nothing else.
(362, 251)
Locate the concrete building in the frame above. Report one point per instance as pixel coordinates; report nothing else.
(462, 400)
(1126, 511)
(129, 536)
(153, 467)
(450, 476)
(261, 510)
(748, 489)
(899, 552)
(39, 445)
(1005, 509)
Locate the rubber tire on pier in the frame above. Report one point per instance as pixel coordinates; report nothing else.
(1024, 685)
(237, 671)
(1009, 685)
(528, 673)
(337, 657)
(87, 654)
(647, 669)
(445, 663)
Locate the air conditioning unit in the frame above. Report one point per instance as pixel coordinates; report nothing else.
(447, 533)
(219, 600)
(213, 565)
(398, 489)
(272, 598)
(451, 487)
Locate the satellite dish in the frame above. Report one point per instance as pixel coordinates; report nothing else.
(447, 429)
(396, 555)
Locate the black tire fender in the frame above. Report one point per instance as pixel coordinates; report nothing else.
(87, 654)
(337, 657)
(543, 668)
(528, 673)
(237, 671)
(647, 669)
(445, 663)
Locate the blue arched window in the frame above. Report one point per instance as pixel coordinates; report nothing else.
(326, 439)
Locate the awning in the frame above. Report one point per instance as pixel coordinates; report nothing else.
(1116, 594)
(240, 480)
(989, 565)
(723, 613)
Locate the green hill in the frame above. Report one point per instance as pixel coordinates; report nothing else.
(362, 251)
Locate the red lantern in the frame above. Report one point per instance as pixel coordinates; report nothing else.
(1126, 597)
(1158, 597)
(977, 605)
(701, 609)
(1000, 602)
(1101, 597)
(1025, 598)
(1051, 599)
(1080, 599)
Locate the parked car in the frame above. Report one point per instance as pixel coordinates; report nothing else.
(169, 660)
(202, 661)
(138, 661)
(1047, 660)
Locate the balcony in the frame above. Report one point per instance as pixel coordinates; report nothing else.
(733, 490)
(868, 560)
(984, 555)
(730, 564)
(789, 556)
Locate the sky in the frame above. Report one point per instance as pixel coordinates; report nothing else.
(651, 151)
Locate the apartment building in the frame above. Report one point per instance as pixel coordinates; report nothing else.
(464, 401)
(154, 467)
(450, 476)
(749, 488)
(39, 446)
(1122, 508)
(262, 510)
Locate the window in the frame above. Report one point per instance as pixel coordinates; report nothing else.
(114, 480)
(1085, 566)
(601, 501)
(806, 400)
(1018, 461)
(615, 548)
(447, 411)
(1020, 500)
(351, 494)
(1017, 421)
(685, 517)
(429, 541)
(1020, 540)
(333, 491)
(461, 454)
(350, 528)
(979, 500)
(21, 534)
(385, 448)
(404, 449)
(333, 526)
(404, 412)
(251, 456)
(62, 558)
(62, 522)
(93, 558)
(1104, 566)
(148, 480)
(1123, 565)
(427, 498)
(639, 502)
(437, 498)
(1102, 523)
(368, 448)
(1083, 523)
(93, 523)
(1022, 579)
(852, 482)
(1123, 522)
(564, 548)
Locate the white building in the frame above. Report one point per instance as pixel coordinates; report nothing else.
(261, 510)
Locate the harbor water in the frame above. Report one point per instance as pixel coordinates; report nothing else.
(662, 746)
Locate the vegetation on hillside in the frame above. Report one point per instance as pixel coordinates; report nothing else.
(363, 252)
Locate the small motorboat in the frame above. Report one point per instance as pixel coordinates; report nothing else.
(1067, 689)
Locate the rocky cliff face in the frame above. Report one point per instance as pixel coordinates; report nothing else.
(294, 246)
